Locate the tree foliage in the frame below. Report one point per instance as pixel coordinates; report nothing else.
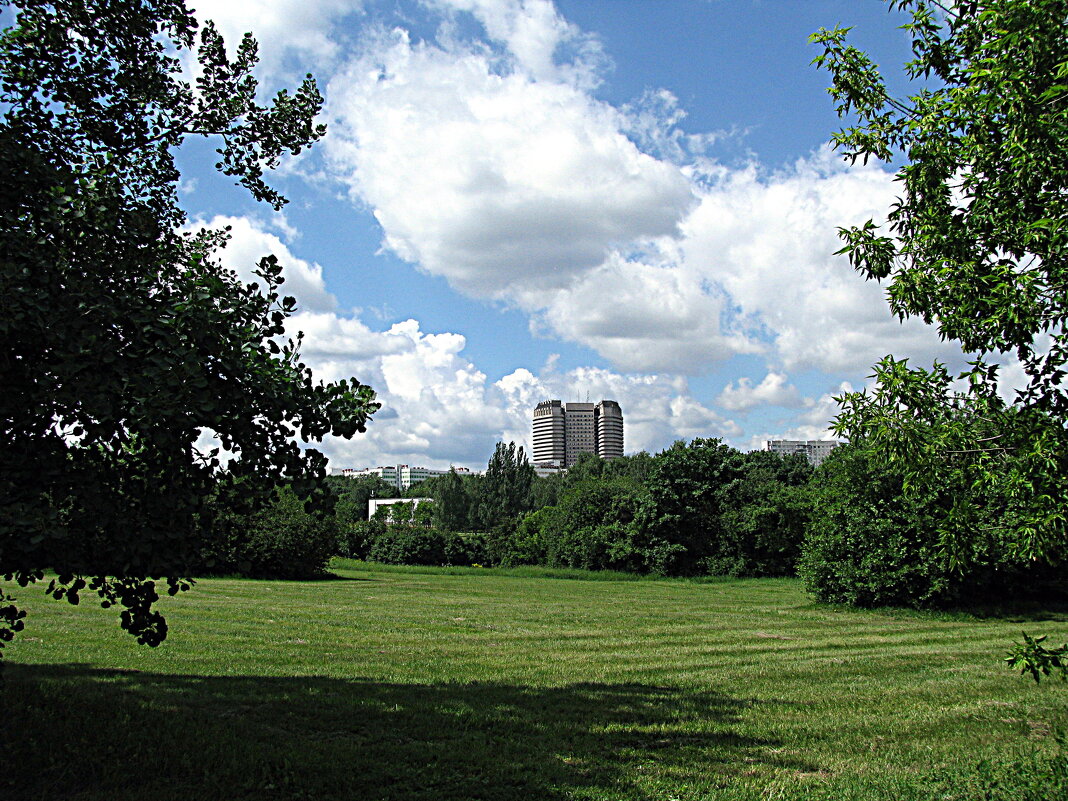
(504, 492)
(692, 509)
(764, 514)
(868, 544)
(280, 540)
(684, 504)
(121, 339)
(450, 503)
(352, 495)
(977, 245)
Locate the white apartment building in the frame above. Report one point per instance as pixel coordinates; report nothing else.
(814, 450)
(565, 431)
(401, 476)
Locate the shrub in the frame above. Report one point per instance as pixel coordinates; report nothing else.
(354, 538)
(763, 516)
(282, 540)
(866, 544)
(416, 545)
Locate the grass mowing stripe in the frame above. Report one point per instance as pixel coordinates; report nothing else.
(474, 683)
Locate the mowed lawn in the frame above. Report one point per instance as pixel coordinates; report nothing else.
(392, 683)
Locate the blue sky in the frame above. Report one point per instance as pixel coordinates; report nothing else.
(520, 200)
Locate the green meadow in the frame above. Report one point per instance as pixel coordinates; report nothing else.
(407, 683)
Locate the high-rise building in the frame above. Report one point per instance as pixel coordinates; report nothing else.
(549, 433)
(580, 431)
(814, 450)
(609, 421)
(565, 431)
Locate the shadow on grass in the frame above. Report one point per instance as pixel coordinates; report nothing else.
(82, 732)
(1019, 611)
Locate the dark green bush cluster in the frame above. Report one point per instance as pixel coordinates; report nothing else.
(692, 509)
(871, 543)
(281, 540)
(866, 545)
(589, 529)
(407, 544)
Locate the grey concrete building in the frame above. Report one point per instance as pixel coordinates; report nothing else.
(565, 431)
(549, 434)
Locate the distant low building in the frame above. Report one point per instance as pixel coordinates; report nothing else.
(815, 450)
(543, 470)
(401, 476)
(373, 504)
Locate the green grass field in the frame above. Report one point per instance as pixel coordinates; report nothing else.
(393, 683)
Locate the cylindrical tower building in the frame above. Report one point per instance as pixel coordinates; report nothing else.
(549, 440)
(609, 421)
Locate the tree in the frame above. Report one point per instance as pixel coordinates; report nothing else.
(280, 540)
(869, 545)
(121, 339)
(977, 245)
(681, 512)
(592, 529)
(764, 511)
(450, 503)
(505, 490)
(353, 494)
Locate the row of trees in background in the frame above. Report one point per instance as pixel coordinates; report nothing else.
(690, 510)
(702, 508)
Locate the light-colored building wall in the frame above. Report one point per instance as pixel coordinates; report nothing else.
(609, 429)
(580, 432)
(401, 476)
(374, 504)
(549, 434)
(815, 450)
(565, 431)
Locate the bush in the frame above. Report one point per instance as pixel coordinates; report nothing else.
(354, 538)
(416, 545)
(866, 544)
(592, 528)
(763, 516)
(511, 543)
(282, 540)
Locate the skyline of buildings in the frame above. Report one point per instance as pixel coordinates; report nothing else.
(562, 432)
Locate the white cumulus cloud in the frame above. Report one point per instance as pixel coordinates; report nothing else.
(300, 30)
(773, 390)
(491, 164)
(497, 181)
(440, 409)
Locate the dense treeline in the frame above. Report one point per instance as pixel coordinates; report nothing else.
(690, 510)
(703, 508)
